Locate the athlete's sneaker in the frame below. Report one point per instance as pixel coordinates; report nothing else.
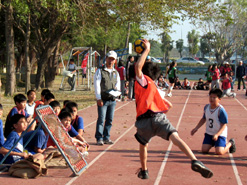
(169, 94)
(142, 174)
(198, 166)
(232, 149)
(108, 142)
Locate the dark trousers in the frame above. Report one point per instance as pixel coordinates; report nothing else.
(239, 83)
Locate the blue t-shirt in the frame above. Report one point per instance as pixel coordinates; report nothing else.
(72, 132)
(78, 123)
(1, 133)
(39, 140)
(8, 125)
(223, 118)
(11, 140)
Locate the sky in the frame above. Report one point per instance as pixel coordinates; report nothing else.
(179, 31)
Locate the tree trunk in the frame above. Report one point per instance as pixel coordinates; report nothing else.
(27, 58)
(42, 63)
(50, 73)
(127, 39)
(10, 50)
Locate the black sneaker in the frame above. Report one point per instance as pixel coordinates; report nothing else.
(108, 142)
(198, 166)
(142, 174)
(232, 149)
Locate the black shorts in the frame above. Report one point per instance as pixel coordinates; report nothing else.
(84, 75)
(209, 81)
(172, 80)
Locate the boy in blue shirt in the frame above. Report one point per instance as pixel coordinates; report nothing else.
(19, 125)
(65, 118)
(38, 143)
(1, 127)
(77, 121)
(20, 101)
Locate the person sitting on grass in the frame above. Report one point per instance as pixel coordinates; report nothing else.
(216, 120)
(200, 85)
(38, 143)
(77, 121)
(55, 105)
(186, 84)
(18, 126)
(226, 86)
(151, 119)
(66, 118)
(177, 84)
(31, 96)
(39, 103)
(20, 101)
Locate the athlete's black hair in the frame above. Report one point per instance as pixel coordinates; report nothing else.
(152, 70)
(217, 92)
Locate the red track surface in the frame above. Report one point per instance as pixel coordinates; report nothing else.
(117, 164)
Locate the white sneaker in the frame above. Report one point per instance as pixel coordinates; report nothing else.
(169, 94)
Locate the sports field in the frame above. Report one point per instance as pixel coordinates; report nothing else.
(117, 163)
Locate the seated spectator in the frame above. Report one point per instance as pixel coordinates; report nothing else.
(55, 105)
(186, 84)
(20, 101)
(200, 85)
(177, 84)
(162, 84)
(31, 96)
(18, 126)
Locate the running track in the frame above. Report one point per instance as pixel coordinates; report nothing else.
(117, 163)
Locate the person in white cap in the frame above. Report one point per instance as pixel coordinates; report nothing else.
(106, 78)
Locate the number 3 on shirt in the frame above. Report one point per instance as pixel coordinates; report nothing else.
(211, 121)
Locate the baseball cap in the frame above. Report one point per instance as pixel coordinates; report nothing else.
(112, 54)
(226, 62)
(148, 57)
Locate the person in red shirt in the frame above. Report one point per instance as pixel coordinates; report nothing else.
(151, 120)
(121, 71)
(226, 86)
(216, 77)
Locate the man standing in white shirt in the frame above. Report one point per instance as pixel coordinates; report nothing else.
(106, 78)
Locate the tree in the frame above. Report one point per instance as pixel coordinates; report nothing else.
(167, 45)
(155, 49)
(10, 49)
(193, 39)
(204, 46)
(226, 28)
(179, 46)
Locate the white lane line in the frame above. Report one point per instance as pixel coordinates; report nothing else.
(234, 166)
(235, 170)
(102, 153)
(96, 119)
(163, 164)
(241, 104)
